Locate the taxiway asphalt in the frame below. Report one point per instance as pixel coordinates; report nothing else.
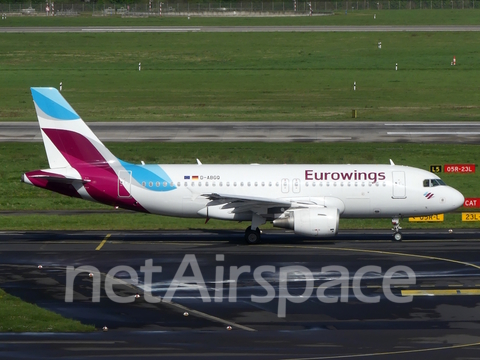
(442, 319)
(358, 131)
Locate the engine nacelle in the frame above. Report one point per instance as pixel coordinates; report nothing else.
(312, 221)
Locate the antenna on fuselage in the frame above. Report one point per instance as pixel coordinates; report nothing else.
(391, 162)
(199, 162)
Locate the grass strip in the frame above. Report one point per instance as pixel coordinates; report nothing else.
(423, 16)
(245, 76)
(19, 316)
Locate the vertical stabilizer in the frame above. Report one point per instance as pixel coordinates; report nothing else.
(68, 141)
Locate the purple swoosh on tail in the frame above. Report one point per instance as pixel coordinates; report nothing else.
(76, 148)
(82, 155)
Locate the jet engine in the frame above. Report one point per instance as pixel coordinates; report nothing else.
(312, 221)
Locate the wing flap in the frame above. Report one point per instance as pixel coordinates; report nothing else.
(240, 204)
(234, 199)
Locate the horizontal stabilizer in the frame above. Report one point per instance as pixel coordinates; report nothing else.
(58, 179)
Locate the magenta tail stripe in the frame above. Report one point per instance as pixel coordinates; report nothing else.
(82, 155)
(76, 149)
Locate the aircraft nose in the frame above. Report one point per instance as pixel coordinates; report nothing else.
(457, 199)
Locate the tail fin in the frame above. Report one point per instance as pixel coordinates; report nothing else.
(68, 141)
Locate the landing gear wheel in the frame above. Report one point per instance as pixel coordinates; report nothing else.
(252, 236)
(397, 236)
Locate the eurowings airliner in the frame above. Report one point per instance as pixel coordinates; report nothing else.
(309, 199)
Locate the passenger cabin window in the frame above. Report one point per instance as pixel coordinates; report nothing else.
(433, 182)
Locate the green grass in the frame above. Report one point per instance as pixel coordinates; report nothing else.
(19, 316)
(252, 76)
(17, 158)
(361, 17)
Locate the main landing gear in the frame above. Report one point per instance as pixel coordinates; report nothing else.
(253, 233)
(397, 235)
(252, 237)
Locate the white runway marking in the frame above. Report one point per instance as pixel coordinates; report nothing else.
(432, 124)
(432, 133)
(134, 29)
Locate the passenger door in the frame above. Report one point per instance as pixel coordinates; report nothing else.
(399, 186)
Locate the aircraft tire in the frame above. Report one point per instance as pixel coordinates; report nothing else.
(252, 237)
(398, 236)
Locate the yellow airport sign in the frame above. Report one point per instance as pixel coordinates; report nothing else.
(471, 216)
(440, 292)
(429, 218)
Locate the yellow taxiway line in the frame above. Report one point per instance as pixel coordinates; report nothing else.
(103, 242)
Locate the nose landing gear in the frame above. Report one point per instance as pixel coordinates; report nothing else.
(397, 235)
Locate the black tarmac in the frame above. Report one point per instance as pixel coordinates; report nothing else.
(223, 315)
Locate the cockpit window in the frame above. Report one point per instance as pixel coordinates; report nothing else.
(433, 182)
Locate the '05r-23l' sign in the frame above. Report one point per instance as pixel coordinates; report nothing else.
(453, 168)
(459, 168)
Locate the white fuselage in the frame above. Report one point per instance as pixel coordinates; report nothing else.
(356, 190)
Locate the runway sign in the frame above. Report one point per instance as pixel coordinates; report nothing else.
(436, 168)
(459, 168)
(472, 202)
(471, 216)
(429, 218)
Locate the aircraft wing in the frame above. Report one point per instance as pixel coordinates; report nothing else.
(245, 203)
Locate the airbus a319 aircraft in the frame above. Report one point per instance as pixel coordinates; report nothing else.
(309, 199)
